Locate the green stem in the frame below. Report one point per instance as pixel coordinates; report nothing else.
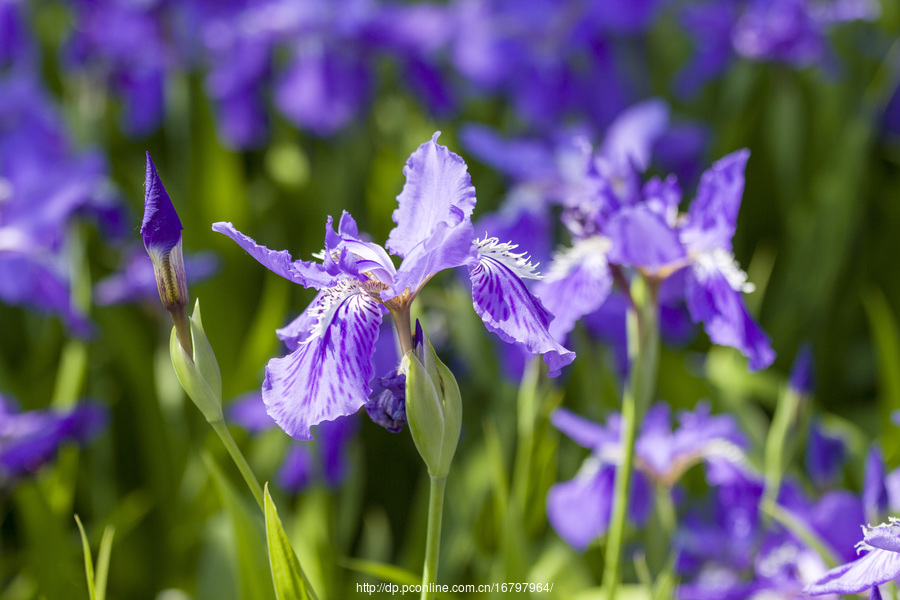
(433, 540)
(643, 354)
(240, 461)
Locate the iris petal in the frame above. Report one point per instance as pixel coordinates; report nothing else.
(307, 274)
(510, 310)
(328, 375)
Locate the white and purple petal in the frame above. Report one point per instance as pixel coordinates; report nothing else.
(713, 295)
(577, 284)
(508, 308)
(438, 193)
(307, 274)
(875, 568)
(328, 375)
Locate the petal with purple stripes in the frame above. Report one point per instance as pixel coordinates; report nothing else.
(508, 308)
(328, 375)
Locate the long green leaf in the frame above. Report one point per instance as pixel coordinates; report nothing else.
(88, 561)
(383, 571)
(290, 583)
(249, 537)
(103, 558)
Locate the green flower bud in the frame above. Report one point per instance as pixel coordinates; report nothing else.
(199, 374)
(433, 406)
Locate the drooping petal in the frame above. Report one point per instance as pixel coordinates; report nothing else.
(328, 375)
(713, 300)
(579, 509)
(876, 567)
(307, 274)
(297, 331)
(578, 283)
(438, 192)
(508, 308)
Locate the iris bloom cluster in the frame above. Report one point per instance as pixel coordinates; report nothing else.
(328, 374)
(620, 225)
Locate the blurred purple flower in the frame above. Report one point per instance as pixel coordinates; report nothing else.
(788, 31)
(30, 439)
(44, 188)
(579, 510)
(825, 455)
(875, 494)
(325, 459)
(329, 372)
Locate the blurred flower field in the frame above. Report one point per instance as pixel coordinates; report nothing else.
(575, 299)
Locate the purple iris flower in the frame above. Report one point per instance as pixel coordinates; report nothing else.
(875, 493)
(880, 564)
(579, 510)
(30, 439)
(328, 374)
(326, 460)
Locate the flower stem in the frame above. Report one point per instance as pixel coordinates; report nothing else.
(433, 540)
(643, 355)
(240, 461)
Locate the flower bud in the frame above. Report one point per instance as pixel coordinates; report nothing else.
(433, 406)
(161, 232)
(199, 374)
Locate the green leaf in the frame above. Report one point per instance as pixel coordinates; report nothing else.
(385, 572)
(287, 575)
(88, 561)
(249, 535)
(103, 558)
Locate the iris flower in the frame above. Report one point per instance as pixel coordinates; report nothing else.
(579, 510)
(329, 372)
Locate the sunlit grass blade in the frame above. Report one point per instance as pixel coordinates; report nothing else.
(382, 571)
(287, 575)
(88, 561)
(103, 558)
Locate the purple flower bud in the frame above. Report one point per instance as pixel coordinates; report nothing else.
(387, 406)
(802, 378)
(161, 232)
